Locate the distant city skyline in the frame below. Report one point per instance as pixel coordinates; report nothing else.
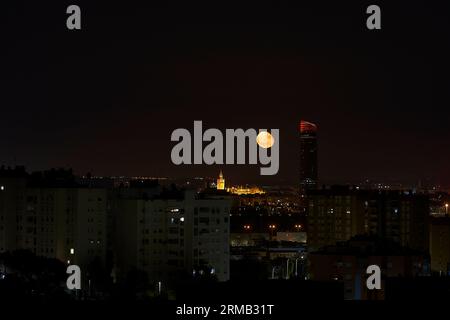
(105, 100)
(212, 175)
(193, 156)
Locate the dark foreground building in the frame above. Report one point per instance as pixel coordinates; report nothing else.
(347, 263)
(340, 212)
(440, 245)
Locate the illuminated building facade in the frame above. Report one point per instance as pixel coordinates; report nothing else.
(246, 190)
(221, 182)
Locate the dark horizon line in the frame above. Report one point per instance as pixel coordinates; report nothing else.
(278, 182)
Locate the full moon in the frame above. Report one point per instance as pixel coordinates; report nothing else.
(265, 139)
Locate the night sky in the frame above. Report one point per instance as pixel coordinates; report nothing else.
(106, 99)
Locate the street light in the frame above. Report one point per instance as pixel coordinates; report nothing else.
(271, 231)
(446, 208)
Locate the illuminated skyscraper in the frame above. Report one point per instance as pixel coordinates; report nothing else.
(308, 156)
(221, 182)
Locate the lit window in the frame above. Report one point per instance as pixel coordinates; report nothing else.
(72, 251)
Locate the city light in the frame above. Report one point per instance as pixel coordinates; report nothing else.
(247, 227)
(245, 190)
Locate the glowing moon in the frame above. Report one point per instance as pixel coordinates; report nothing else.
(265, 139)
